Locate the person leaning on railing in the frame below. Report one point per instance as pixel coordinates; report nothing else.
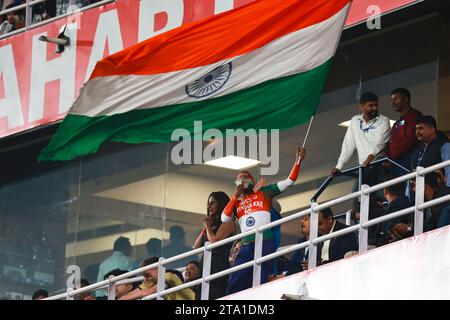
(368, 133)
(253, 210)
(215, 230)
(173, 278)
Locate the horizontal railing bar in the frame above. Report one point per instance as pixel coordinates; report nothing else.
(338, 200)
(389, 216)
(231, 239)
(433, 168)
(277, 254)
(434, 202)
(229, 271)
(16, 8)
(336, 234)
(286, 219)
(130, 280)
(389, 183)
(35, 25)
(57, 297)
(134, 272)
(182, 256)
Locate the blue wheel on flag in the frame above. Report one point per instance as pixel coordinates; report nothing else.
(210, 83)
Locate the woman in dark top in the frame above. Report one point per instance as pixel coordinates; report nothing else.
(215, 230)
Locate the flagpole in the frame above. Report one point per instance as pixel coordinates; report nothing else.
(307, 133)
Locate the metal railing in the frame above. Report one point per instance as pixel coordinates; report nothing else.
(28, 6)
(207, 277)
(355, 172)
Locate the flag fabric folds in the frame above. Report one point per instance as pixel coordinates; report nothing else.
(261, 66)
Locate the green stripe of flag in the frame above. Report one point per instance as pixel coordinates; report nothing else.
(276, 104)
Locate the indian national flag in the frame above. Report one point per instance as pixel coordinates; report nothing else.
(261, 66)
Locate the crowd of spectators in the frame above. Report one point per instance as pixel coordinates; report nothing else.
(15, 20)
(413, 141)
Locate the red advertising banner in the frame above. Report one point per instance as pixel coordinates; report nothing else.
(38, 85)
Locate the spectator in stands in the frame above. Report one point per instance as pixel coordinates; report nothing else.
(368, 133)
(84, 295)
(176, 246)
(275, 214)
(153, 247)
(120, 258)
(215, 230)
(336, 248)
(442, 179)
(173, 278)
(91, 272)
(433, 149)
(299, 260)
(9, 24)
(40, 294)
(400, 227)
(64, 6)
(375, 210)
(5, 3)
(44, 11)
(403, 140)
(253, 210)
(191, 273)
(436, 216)
(234, 251)
(121, 289)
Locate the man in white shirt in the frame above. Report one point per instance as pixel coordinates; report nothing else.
(368, 133)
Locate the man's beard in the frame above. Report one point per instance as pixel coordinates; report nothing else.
(373, 114)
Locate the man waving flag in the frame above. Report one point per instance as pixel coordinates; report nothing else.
(260, 66)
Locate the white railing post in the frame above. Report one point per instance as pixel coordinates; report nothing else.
(257, 255)
(28, 14)
(207, 255)
(160, 286)
(363, 218)
(69, 296)
(418, 214)
(111, 289)
(313, 232)
(348, 217)
(360, 178)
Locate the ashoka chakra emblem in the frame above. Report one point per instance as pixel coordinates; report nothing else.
(210, 83)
